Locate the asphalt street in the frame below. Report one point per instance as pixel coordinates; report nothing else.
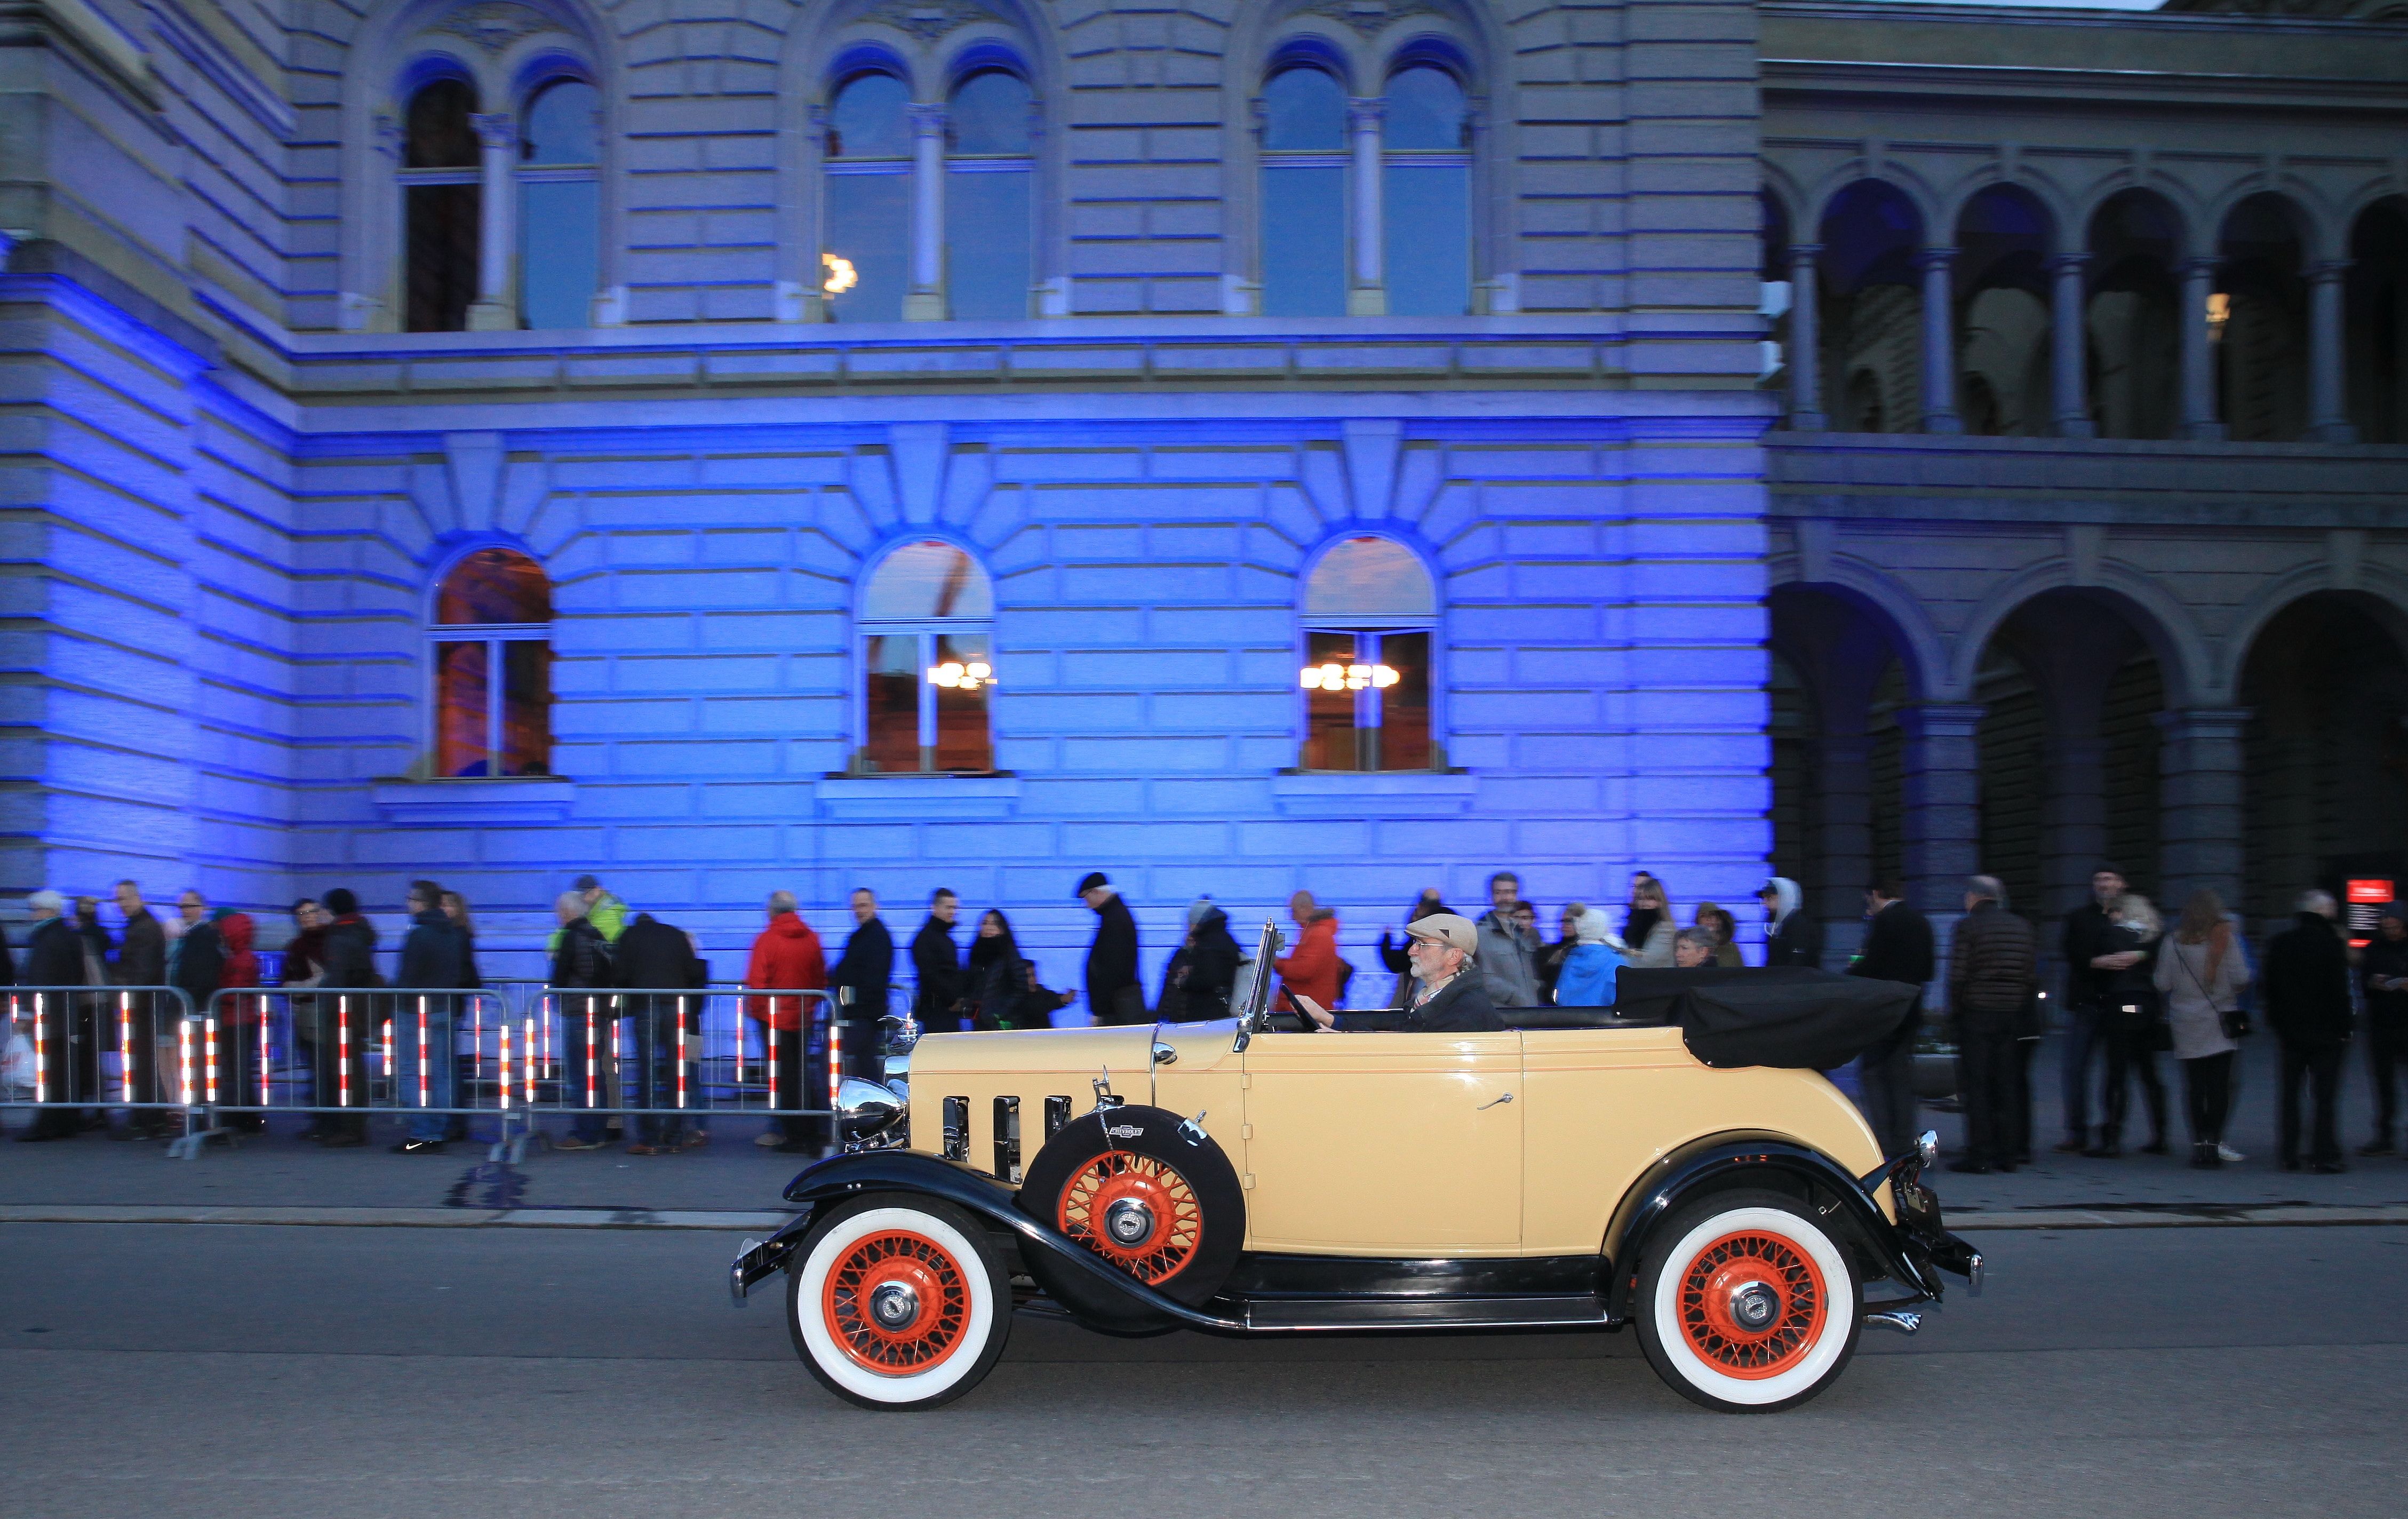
(262, 1371)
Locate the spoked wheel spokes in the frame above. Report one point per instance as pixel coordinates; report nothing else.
(1136, 1210)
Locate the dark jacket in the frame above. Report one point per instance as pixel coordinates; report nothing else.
(350, 953)
(432, 953)
(2386, 958)
(304, 955)
(651, 955)
(583, 956)
(2306, 983)
(1798, 942)
(1461, 1007)
(54, 955)
(142, 954)
(469, 975)
(1897, 947)
(1993, 968)
(944, 985)
(1111, 960)
(866, 966)
(198, 965)
(1211, 972)
(2087, 931)
(2135, 986)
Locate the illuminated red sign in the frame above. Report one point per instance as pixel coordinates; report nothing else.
(2367, 899)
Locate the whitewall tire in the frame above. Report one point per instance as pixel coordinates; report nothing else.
(1746, 1303)
(899, 1302)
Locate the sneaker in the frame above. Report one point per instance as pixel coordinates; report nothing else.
(2231, 1156)
(419, 1147)
(769, 1141)
(695, 1139)
(573, 1142)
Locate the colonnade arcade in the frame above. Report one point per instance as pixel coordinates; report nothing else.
(2083, 726)
(2010, 312)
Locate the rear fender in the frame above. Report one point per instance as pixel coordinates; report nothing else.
(841, 1177)
(1731, 1161)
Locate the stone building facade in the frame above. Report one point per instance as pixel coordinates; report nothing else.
(1238, 445)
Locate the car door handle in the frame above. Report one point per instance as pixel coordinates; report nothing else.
(1485, 1106)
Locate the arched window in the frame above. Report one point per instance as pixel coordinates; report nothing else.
(1370, 613)
(440, 205)
(1426, 195)
(927, 663)
(1304, 215)
(491, 647)
(865, 252)
(560, 204)
(987, 225)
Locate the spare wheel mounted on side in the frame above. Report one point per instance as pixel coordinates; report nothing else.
(1150, 1194)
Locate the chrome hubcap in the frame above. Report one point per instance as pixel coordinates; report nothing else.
(1754, 1306)
(893, 1305)
(1128, 1222)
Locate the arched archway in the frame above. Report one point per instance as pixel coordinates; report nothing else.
(2326, 685)
(2133, 318)
(2257, 317)
(2377, 322)
(1872, 350)
(2003, 239)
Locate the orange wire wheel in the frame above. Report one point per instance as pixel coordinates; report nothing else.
(1752, 1304)
(896, 1303)
(1135, 1211)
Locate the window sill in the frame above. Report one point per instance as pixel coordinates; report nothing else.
(530, 799)
(1393, 793)
(918, 797)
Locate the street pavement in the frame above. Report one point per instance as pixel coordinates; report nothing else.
(261, 1372)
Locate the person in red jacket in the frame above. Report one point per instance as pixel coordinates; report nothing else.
(788, 955)
(1312, 969)
(242, 1032)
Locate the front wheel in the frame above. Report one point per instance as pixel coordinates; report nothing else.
(1747, 1304)
(899, 1302)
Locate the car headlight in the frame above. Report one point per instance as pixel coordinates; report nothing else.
(865, 1108)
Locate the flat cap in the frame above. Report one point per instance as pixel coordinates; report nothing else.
(1446, 928)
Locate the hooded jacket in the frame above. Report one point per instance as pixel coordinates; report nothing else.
(1586, 979)
(787, 954)
(237, 932)
(1312, 971)
(1211, 968)
(1792, 939)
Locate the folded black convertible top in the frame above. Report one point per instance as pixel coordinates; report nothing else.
(1788, 1015)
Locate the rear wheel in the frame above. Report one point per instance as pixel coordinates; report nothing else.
(1746, 1303)
(899, 1302)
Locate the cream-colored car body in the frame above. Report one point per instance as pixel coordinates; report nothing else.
(1390, 1144)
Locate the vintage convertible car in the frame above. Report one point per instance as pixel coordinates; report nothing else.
(1582, 1168)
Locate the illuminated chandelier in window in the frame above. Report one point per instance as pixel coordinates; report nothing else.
(961, 677)
(1334, 677)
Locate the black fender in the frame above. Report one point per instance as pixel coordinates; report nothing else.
(1727, 1160)
(839, 1177)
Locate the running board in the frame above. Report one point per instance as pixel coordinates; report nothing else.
(1289, 1315)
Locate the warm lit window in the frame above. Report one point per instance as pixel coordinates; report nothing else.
(1426, 180)
(440, 180)
(559, 207)
(928, 662)
(1369, 621)
(865, 257)
(987, 197)
(492, 648)
(1304, 195)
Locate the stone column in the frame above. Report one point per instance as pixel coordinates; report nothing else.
(495, 309)
(2072, 823)
(2327, 356)
(1941, 762)
(2197, 356)
(2200, 784)
(1939, 340)
(2068, 345)
(1844, 840)
(1805, 341)
(1367, 292)
(926, 301)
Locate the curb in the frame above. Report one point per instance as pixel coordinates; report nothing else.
(2132, 1216)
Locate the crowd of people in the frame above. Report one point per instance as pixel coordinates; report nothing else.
(2134, 989)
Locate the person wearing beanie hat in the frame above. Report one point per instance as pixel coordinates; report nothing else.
(1113, 995)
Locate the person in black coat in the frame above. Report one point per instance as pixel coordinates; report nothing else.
(54, 957)
(581, 962)
(2092, 962)
(859, 984)
(2306, 987)
(1208, 971)
(944, 988)
(1450, 996)
(1897, 947)
(433, 956)
(1113, 995)
(2382, 972)
(654, 957)
(341, 1025)
(142, 961)
(1791, 937)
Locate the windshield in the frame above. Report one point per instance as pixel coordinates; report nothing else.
(1255, 1015)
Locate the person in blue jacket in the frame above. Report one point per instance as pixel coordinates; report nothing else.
(1586, 980)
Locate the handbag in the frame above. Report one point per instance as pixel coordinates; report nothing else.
(2234, 1021)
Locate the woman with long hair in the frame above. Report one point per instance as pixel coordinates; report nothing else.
(456, 907)
(2200, 973)
(2133, 1024)
(1648, 930)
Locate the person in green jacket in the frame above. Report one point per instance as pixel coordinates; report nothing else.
(603, 909)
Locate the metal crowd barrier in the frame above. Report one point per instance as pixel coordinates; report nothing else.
(663, 1059)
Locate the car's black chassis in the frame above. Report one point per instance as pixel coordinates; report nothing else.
(1271, 1293)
